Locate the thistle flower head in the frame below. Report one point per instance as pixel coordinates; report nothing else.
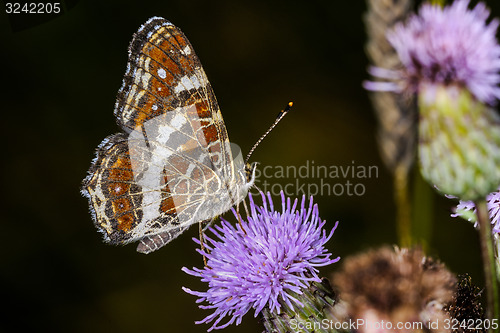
(466, 302)
(445, 46)
(467, 210)
(451, 60)
(398, 285)
(275, 253)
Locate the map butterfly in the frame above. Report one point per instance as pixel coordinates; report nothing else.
(172, 165)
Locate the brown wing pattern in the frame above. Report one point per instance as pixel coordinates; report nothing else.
(164, 73)
(151, 183)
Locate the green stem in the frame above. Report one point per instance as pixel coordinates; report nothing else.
(403, 205)
(488, 254)
(441, 3)
(422, 213)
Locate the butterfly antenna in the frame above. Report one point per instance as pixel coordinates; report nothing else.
(278, 119)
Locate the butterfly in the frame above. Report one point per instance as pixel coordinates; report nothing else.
(172, 165)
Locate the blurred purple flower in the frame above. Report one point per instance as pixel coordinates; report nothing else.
(446, 46)
(276, 252)
(467, 210)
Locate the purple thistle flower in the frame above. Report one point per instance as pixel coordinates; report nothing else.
(467, 210)
(445, 46)
(277, 252)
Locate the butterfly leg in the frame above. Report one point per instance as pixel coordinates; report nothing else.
(202, 238)
(209, 224)
(239, 216)
(246, 207)
(152, 243)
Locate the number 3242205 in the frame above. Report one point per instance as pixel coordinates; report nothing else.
(470, 324)
(33, 8)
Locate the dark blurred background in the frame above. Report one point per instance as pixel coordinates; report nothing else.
(60, 76)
